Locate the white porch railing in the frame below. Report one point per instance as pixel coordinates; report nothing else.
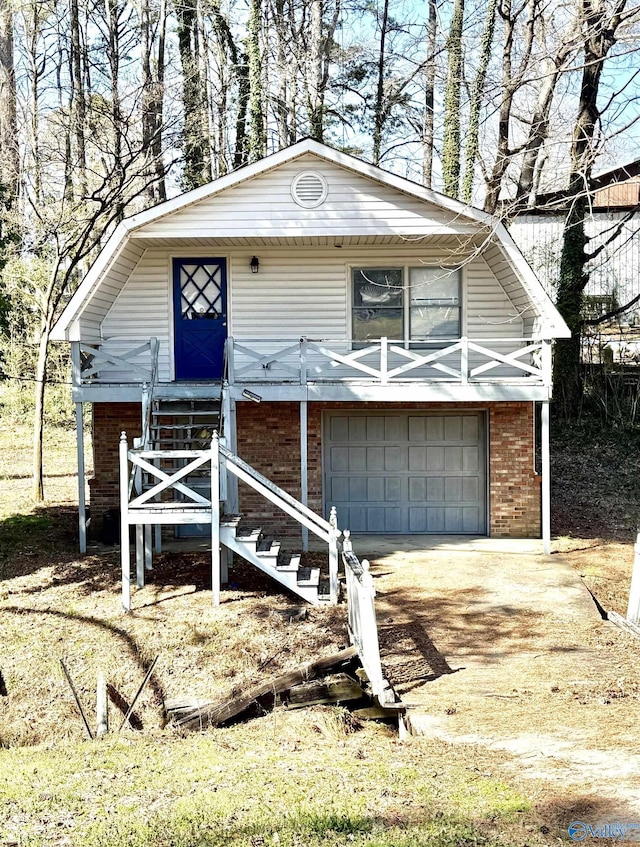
(363, 627)
(385, 361)
(95, 363)
(382, 361)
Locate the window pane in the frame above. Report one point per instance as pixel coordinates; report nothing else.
(434, 285)
(434, 303)
(376, 322)
(435, 322)
(377, 287)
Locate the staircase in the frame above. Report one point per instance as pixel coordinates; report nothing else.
(183, 424)
(179, 425)
(265, 554)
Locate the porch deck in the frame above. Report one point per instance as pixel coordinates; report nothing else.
(333, 370)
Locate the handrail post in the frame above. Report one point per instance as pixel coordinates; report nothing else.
(76, 364)
(303, 360)
(384, 358)
(146, 409)
(231, 375)
(334, 534)
(125, 552)
(215, 519)
(464, 359)
(153, 351)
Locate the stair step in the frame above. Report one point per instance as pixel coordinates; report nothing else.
(248, 536)
(308, 577)
(171, 427)
(268, 547)
(323, 590)
(230, 520)
(288, 562)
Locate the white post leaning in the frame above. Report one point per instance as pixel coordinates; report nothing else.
(633, 608)
(215, 520)
(125, 553)
(304, 483)
(334, 534)
(546, 479)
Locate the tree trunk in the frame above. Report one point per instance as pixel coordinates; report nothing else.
(600, 34)
(197, 166)
(452, 96)
(38, 413)
(429, 96)
(78, 109)
(475, 103)
(257, 126)
(315, 99)
(379, 110)
(9, 160)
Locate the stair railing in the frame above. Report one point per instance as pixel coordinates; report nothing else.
(362, 624)
(326, 530)
(148, 389)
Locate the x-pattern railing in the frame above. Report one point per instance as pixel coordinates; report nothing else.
(362, 624)
(96, 362)
(194, 460)
(385, 360)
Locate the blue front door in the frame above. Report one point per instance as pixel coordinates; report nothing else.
(200, 317)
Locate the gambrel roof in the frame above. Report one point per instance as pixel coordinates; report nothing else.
(254, 206)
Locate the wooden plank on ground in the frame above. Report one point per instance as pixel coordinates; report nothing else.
(216, 713)
(623, 623)
(337, 688)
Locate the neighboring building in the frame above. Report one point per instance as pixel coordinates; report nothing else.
(614, 276)
(396, 340)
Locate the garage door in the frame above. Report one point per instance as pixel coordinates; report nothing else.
(406, 472)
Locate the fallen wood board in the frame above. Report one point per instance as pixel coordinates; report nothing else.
(337, 688)
(120, 703)
(623, 623)
(185, 704)
(214, 714)
(377, 713)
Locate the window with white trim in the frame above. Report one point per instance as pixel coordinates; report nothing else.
(417, 303)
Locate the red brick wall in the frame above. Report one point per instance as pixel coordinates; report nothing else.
(514, 487)
(269, 439)
(109, 420)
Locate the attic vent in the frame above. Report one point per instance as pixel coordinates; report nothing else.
(309, 189)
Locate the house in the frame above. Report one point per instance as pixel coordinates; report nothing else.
(613, 224)
(373, 346)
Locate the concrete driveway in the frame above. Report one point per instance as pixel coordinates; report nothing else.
(491, 642)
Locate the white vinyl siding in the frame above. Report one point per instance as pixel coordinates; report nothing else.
(264, 206)
(142, 310)
(614, 270)
(103, 298)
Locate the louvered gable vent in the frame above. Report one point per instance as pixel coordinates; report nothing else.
(309, 189)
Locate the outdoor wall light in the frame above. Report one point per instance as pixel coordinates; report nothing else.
(249, 395)
(254, 264)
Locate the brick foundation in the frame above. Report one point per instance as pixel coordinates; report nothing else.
(269, 439)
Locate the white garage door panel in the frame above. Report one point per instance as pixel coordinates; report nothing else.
(406, 472)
